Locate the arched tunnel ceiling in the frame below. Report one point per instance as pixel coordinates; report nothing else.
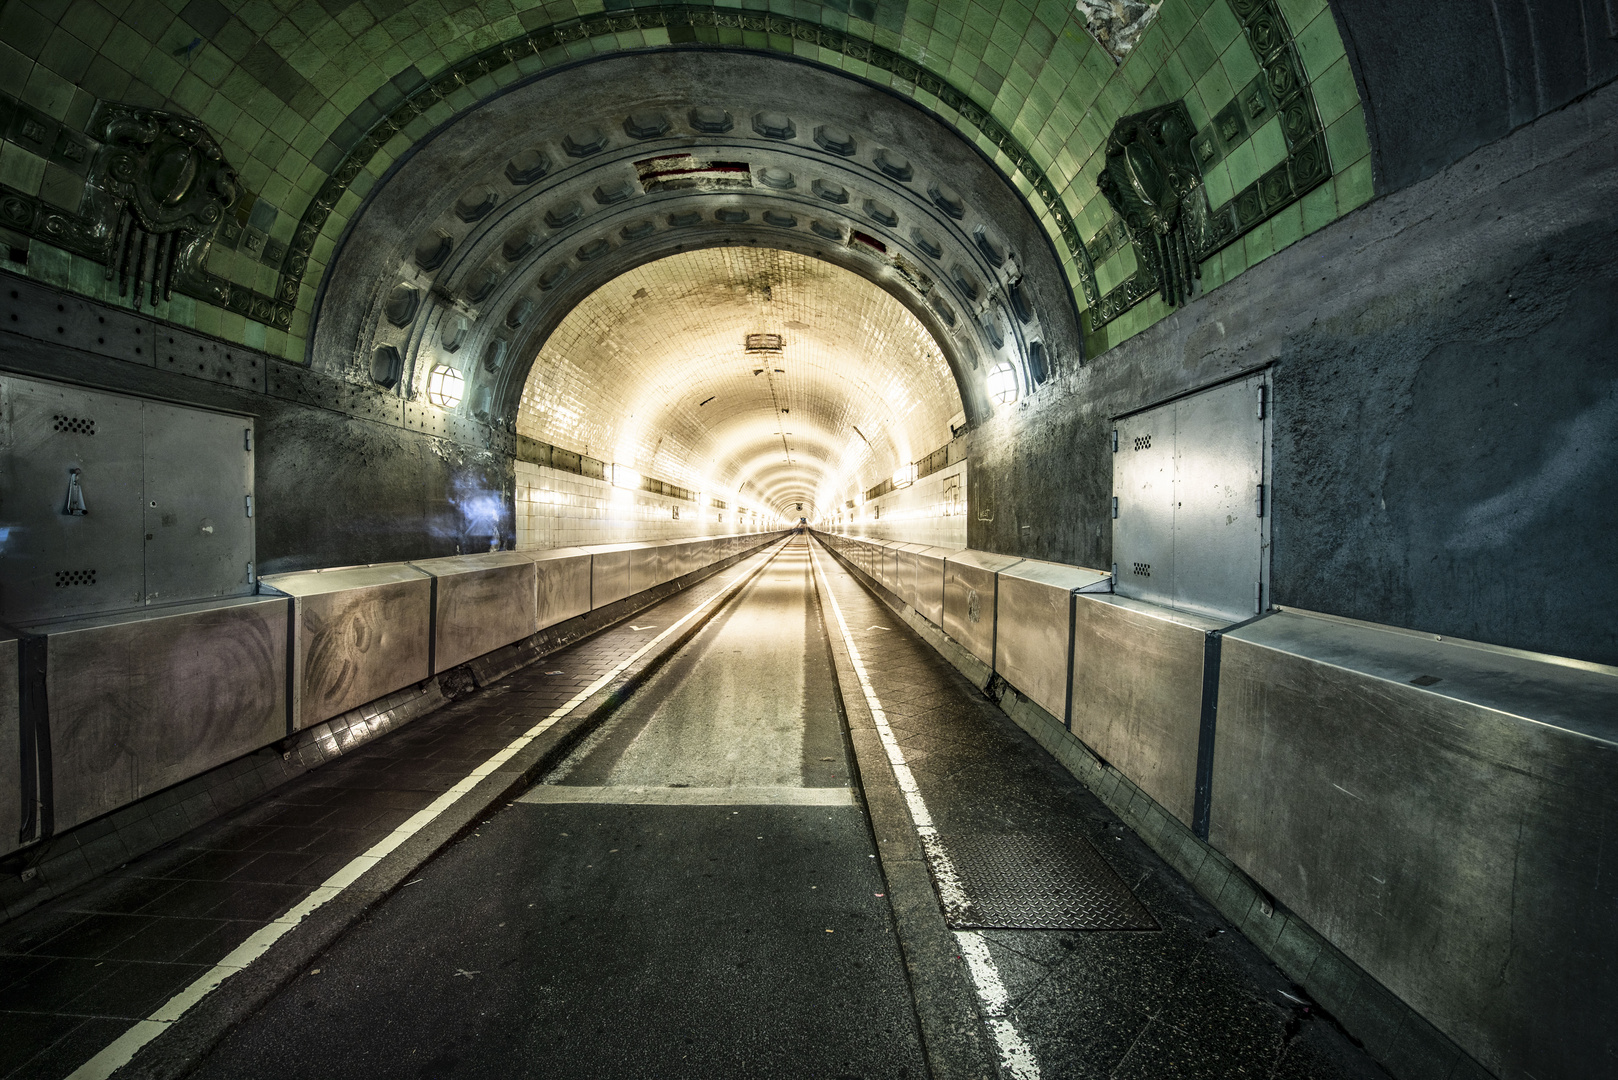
(316, 103)
(652, 371)
(481, 242)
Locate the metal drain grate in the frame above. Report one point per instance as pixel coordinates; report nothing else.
(1038, 883)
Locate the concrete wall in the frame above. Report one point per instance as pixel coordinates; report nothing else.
(1446, 403)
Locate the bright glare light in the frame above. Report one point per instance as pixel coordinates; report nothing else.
(625, 477)
(445, 387)
(1003, 384)
(905, 476)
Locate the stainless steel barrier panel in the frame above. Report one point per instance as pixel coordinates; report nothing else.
(1032, 614)
(561, 584)
(1137, 692)
(144, 700)
(609, 573)
(969, 580)
(11, 809)
(929, 600)
(646, 562)
(1444, 813)
(904, 571)
(888, 553)
(484, 602)
(362, 632)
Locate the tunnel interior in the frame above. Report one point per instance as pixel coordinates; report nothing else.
(1166, 448)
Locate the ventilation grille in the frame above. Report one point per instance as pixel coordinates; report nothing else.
(1143, 569)
(68, 578)
(1143, 442)
(765, 343)
(75, 425)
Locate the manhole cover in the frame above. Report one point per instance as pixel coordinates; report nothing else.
(1035, 883)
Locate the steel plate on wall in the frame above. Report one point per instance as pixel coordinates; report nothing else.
(363, 632)
(969, 591)
(142, 701)
(609, 573)
(929, 600)
(1031, 628)
(561, 582)
(1444, 813)
(484, 602)
(1137, 692)
(11, 811)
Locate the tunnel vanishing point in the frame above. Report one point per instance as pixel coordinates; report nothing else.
(809, 538)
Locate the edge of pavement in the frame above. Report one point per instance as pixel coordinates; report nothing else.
(186, 1041)
(954, 1039)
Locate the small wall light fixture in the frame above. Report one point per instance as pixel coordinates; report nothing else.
(1003, 384)
(445, 387)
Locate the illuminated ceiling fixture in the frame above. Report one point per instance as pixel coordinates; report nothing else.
(445, 387)
(905, 476)
(764, 343)
(625, 477)
(1003, 384)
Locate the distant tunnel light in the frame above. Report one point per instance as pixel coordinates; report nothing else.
(907, 475)
(1003, 384)
(445, 387)
(625, 477)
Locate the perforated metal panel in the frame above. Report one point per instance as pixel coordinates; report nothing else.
(1024, 882)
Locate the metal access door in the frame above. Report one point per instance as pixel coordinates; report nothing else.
(109, 502)
(1192, 527)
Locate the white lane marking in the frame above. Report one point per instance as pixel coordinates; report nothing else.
(689, 796)
(1016, 1057)
(121, 1050)
(648, 626)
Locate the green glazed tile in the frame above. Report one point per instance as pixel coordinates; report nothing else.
(21, 169)
(1221, 25)
(1319, 207)
(1346, 139)
(1243, 166)
(1354, 185)
(1334, 91)
(1286, 227)
(1240, 65)
(1320, 45)
(1269, 145)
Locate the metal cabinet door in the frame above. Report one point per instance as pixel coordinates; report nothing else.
(199, 474)
(1218, 467)
(1188, 476)
(1143, 484)
(53, 563)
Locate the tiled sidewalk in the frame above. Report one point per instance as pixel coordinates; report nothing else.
(75, 974)
(1192, 999)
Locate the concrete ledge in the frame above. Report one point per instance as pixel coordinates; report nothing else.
(1393, 1033)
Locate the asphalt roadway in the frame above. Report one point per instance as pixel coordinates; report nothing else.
(693, 892)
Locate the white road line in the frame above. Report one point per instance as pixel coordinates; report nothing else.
(124, 1048)
(1016, 1057)
(638, 795)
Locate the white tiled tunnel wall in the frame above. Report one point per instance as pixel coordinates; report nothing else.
(930, 511)
(563, 509)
